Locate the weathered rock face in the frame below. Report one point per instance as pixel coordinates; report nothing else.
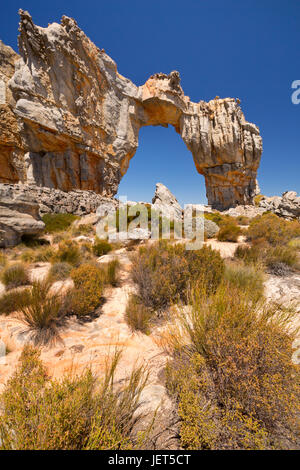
(54, 200)
(18, 217)
(78, 120)
(287, 206)
(166, 202)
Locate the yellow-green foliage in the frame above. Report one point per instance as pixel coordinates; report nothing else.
(229, 232)
(15, 275)
(41, 254)
(101, 247)
(249, 279)
(243, 220)
(111, 270)
(74, 413)
(3, 259)
(272, 257)
(82, 229)
(295, 243)
(68, 252)
(273, 229)
(137, 315)
(89, 281)
(235, 384)
(59, 271)
(42, 311)
(164, 272)
(58, 222)
(257, 199)
(11, 301)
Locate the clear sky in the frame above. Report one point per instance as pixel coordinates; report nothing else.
(247, 49)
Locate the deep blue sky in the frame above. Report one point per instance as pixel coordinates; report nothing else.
(246, 49)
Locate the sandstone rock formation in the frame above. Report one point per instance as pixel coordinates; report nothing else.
(54, 200)
(18, 217)
(71, 121)
(166, 202)
(287, 206)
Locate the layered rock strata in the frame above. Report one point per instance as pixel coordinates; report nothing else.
(71, 121)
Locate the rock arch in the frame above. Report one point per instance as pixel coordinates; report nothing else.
(79, 119)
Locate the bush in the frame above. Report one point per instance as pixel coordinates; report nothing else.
(111, 272)
(74, 413)
(13, 300)
(59, 272)
(3, 260)
(273, 229)
(243, 220)
(164, 272)
(235, 384)
(89, 280)
(82, 229)
(229, 233)
(257, 199)
(58, 222)
(15, 275)
(138, 316)
(276, 259)
(295, 243)
(43, 254)
(42, 312)
(68, 252)
(101, 247)
(248, 279)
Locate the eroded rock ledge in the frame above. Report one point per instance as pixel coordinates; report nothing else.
(69, 120)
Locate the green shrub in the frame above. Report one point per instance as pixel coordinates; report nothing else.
(68, 252)
(42, 312)
(76, 412)
(295, 243)
(101, 247)
(15, 275)
(248, 279)
(3, 260)
(138, 316)
(82, 229)
(164, 272)
(58, 222)
(89, 280)
(111, 272)
(12, 301)
(229, 233)
(250, 255)
(273, 229)
(59, 271)
(43, 254)
(243, 220)
(279, 257)
(275, 258)
(235, 384)
(257, 199)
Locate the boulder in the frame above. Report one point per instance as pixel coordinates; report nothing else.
(18, 218)
(165, 202)
(200, 224)
(135, 234)
(287, 206)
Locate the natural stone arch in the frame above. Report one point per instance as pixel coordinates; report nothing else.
(79, 119)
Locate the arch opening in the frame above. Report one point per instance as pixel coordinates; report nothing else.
(162, 156)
